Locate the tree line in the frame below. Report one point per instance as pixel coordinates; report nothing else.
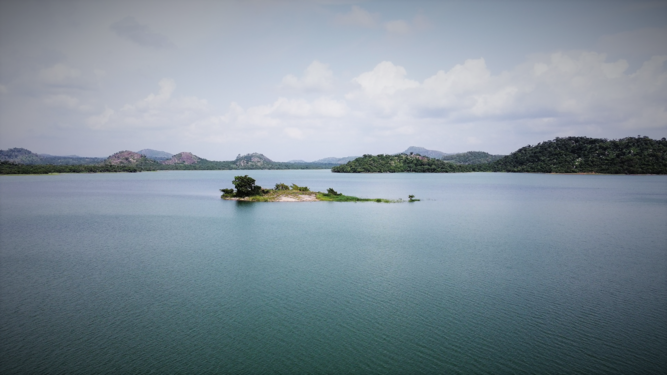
(632, 155)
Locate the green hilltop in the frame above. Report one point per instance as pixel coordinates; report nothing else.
(640, 155)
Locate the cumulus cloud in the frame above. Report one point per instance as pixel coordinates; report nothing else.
(557, 94)
(358, 17)
(568, 89)
(316, 77)
(128, 28)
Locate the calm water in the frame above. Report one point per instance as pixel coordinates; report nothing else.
(489, 273)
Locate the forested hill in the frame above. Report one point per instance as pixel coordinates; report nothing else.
(400, 163)
(640, 155)
(472, 157)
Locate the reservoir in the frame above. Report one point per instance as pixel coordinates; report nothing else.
(488, 273)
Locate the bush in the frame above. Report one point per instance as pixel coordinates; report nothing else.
(333, 192)
(295, 187)
(281, 186)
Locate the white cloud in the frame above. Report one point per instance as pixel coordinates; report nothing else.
(557, 94)
(385, 78)
(572, 90)
(358, 17)
(316, 77)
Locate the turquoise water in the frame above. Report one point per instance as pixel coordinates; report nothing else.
(489, 273)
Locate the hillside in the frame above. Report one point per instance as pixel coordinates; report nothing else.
(424, 152)
(183, 158)
(250, 161)
(472, 157)
(19, 156)
(155, 154)
(399, 163)
(23, 156)
(130, 158)
(640, 155)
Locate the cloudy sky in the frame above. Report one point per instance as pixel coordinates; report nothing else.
(313, 79)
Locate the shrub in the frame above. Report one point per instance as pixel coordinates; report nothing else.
(281, 186)
(333, 192)
(295, 187)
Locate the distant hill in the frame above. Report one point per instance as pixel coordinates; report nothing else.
(333, 160)
(296, 161)
(131, 158)
(182, 158)
(424, 152)
(399, 163)
(252, 160)
(19, 156)
(155, 154)
(472, 157)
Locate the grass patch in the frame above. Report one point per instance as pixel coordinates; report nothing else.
(348, 198)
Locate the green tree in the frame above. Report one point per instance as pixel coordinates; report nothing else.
(245, 186)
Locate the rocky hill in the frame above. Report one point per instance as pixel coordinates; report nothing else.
(129, 158)
(186, 158)
(253, 160)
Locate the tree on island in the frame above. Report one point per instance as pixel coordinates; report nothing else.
(245, 186)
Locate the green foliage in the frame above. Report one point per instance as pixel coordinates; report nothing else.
(472, 157)
(295, 187)
(347, 198)
(412, 198)
(227, 192)
(640, 155)
(332, 192)
(245, 186)
(281, 186)
(400, 163)
(13, 168)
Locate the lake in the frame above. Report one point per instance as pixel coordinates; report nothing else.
(488, 273)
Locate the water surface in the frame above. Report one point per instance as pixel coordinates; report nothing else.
(153, 272)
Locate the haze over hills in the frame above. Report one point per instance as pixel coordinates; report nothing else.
(24, 156)
(155, 154)
(424, 152)
(640, 155)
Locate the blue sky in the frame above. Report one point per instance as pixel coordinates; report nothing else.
(312, 79)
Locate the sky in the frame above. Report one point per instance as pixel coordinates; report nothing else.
(314, 79)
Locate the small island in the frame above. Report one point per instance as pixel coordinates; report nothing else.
(246, 190)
